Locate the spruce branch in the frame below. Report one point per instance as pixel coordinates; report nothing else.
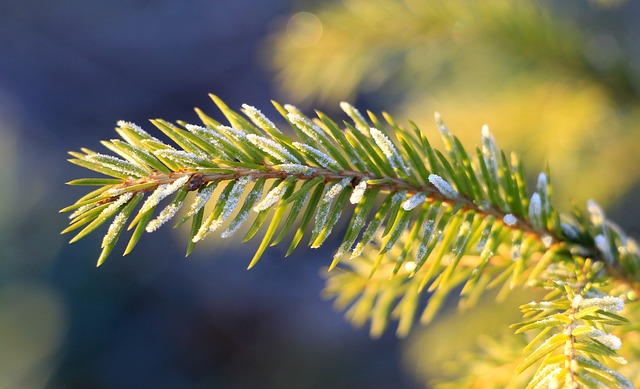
(423, 221)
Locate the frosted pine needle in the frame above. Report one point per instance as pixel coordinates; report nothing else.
(322, 215)
(483, 238)
(122, 200)
(163, 191)
(295, 168)
(443, 186)
(414, 201)
(535, 210)
(606, 303)
(230, 203)
(388, 148)
(137, 129)
(86, 207)
(271, 198)
(602, 243)
(358, 192)
(242, 216)
(114, 229)
(167, 214)
(181, 157)
(311, 129)
(595, 212)
(355, 115)
(259, 119)
(570, 231)
(201, 199)
(509, 219)
(543, 191)
(215, 138)
(609, 340)
(272, 148)
(444, 130)
(117, 164)
(490, 152)
(234, 133)
(323, 159)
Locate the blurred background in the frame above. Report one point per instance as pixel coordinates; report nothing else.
(557, 81)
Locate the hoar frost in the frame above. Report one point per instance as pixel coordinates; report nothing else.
(356, 116)
(115, 226)
(271, 198)
(443, 186)
(259, 119)
(323, 159)
(311, 129)
(167, 214)
(272, 148)
(387, 147)
(201, 199)
(606, 303)
(358, 192)
(325, 204)
(163, 191)
(414, 201)
(509, 219)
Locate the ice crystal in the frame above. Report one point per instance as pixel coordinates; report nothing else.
(443, 186)
(355, 115)
(542, 187)
(547, 240)
(253, 196)
(163, 191)
(609, 340)
(483, 238)
(623, 381)
(388, 148)
(272, 148)
(87, 207)
(215, 138)
(271, 198)
(201, 199)
(414, 201)
(259, 119)
(234, 133)
(122, 200)
(570, 231)
(117, 164)
(535, 210)
(231, 202)
(490, 152)
(323, 159)
(167, 214)
(444, 130)
(181, 157)
(606, 303)
(595, 212)
(294, 168)
(114, 228)
(358, 192)
(322, 215)
(136, 128)
(509, 219)
(311, 129)
(602, 243)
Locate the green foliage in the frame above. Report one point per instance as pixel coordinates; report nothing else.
(557, 74)
(424, 222)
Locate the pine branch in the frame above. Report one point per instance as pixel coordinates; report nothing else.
(573, 320)
(424, 221)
